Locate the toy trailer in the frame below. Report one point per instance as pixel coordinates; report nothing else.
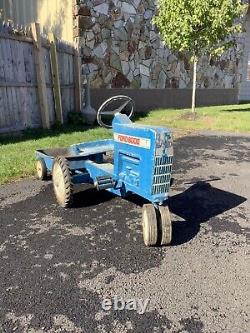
(142, 164)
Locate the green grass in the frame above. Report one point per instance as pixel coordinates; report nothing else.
(229, 118)
(17, 153)
(17, 157)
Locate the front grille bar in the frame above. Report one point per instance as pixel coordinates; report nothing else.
(162, 175)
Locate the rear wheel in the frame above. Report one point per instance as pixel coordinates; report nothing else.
(62, 182)
(149, 225)
(165, 225)
(41, 169)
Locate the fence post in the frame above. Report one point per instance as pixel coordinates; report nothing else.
(55, 78)
(40, 71)
(77, 80)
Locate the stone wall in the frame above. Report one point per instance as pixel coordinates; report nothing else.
(123, 49)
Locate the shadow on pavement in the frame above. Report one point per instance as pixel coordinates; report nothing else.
(88, 197)
(197, 205)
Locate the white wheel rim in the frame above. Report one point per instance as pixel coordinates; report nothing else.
(145, 227)
(166, 226)
(149, 227)
(39, 169)
(58, 182)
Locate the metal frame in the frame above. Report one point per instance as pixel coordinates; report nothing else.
(136, 150)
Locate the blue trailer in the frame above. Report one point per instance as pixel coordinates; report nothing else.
(142, 158)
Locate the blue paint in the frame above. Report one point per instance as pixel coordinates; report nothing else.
(142, 161)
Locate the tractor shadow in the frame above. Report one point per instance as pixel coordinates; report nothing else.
(198, 204)
(87, 196)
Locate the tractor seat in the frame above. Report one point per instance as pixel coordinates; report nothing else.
(92, 148)
(96, 150)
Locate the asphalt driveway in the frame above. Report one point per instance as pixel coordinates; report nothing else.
(57, 266)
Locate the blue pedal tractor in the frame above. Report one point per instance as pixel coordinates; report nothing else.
(142, 158)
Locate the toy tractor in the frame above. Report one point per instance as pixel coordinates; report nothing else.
(142, 158)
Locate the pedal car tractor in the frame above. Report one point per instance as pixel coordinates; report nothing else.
(141, 164)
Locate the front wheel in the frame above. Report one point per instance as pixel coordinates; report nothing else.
(41, 169)
(165, 225)
(156, 225)
(62, 182)
(149, 225)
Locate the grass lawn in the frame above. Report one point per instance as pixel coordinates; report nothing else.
(17, 153)
(230, 118)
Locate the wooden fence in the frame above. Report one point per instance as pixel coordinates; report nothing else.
(39, 79)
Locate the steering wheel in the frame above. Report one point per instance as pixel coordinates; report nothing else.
(116, 104)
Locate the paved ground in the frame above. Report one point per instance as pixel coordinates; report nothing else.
(57, 266)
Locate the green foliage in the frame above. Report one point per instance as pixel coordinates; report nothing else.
(199, 27)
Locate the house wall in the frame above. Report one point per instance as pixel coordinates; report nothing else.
(53, 15)
(123, 49)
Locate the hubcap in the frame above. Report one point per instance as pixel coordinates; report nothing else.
(39, 169)
(145, 226)
(58, 181)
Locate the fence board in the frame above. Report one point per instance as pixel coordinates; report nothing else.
(4, 114)
(19, 102)
(55, 79)
(8, 121)
(9, 76)
(20, 72)
(11, 90)
(71, 80)
(40, 68)
(2, 63)
(3, 122)
(23, 91)
(48, 80)
(77, 81)
(36, 120)
(7, 60)
(66, 82)
(30, 78)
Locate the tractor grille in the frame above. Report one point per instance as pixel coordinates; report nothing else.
(162, 174)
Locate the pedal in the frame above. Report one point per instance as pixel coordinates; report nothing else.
(104, 182)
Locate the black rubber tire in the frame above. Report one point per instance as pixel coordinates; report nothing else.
(172, 180)
(149, 225)
(62, 182)
(41, 169)
(164, 225)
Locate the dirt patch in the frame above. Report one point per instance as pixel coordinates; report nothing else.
(190, 116)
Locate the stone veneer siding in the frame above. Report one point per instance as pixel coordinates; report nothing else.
(123, 50)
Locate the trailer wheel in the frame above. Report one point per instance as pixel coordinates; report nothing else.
(165, 225)
(149, 225)
(62, 182)
(41, 169)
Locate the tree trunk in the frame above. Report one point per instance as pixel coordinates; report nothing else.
(194, 84)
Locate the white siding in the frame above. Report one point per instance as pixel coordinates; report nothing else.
(53, 15)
